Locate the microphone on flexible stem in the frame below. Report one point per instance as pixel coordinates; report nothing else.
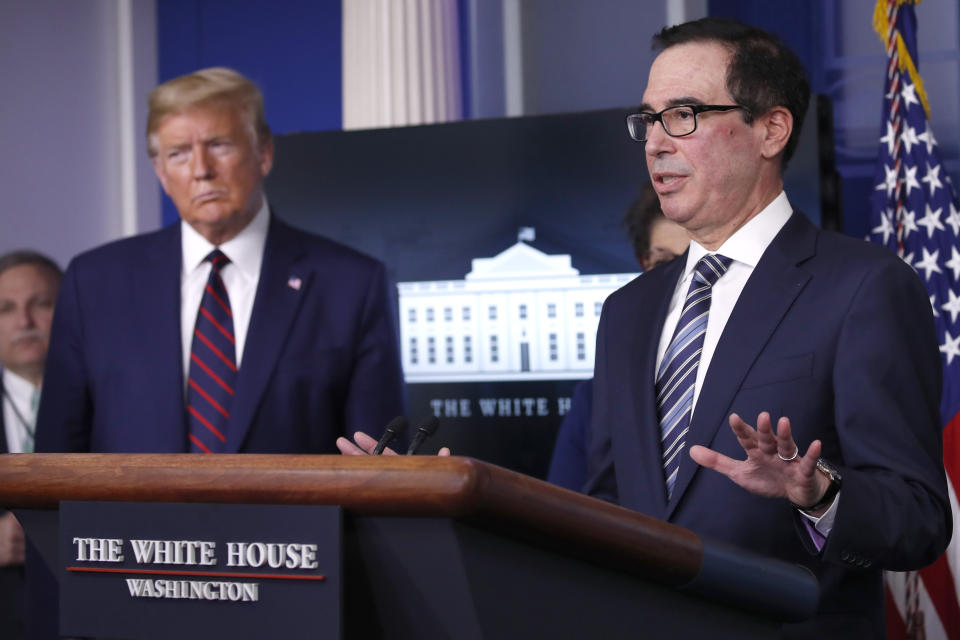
(393, 430)
(428, 426)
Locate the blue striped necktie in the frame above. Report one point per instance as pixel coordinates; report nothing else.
(678, 370)
(213, 365)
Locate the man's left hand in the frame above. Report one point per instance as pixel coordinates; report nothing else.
(363, 445)
(11, 541)
(769, 470)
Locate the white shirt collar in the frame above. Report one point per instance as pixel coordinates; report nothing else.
(16, 386)
(748, 243)
(245, 250)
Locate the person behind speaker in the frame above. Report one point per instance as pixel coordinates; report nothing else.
(28, 290)
(138, 353)
(656, 241)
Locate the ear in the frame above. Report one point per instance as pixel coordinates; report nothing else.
(266, 157)
(775, 128)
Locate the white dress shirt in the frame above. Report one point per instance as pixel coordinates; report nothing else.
(18, 407)
(240, 277)
(745, 247)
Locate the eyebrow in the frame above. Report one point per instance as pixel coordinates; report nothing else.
(675, 102)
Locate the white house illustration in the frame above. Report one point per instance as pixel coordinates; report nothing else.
(520, 315)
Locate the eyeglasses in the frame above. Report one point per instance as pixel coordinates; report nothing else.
(677, 121)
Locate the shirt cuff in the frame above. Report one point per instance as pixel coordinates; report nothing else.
(820, 528)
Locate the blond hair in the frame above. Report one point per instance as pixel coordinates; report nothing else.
(214, 86)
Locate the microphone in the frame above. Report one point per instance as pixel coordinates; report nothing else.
(428, 426)
(393, 430)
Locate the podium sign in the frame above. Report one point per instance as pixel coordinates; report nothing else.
(169, 570)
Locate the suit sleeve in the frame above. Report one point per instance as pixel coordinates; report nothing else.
(376, 393)
(601, 475)
(893, 510)
(568, 464)
(64, 418)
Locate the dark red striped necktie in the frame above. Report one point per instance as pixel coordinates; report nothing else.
(213, 365)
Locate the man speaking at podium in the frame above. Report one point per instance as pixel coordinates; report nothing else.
(230, 331)
(801, 365)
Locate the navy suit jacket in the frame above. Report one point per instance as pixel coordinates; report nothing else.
(320, 358)
(837, 335)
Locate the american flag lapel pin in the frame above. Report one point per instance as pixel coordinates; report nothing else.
(294, 283)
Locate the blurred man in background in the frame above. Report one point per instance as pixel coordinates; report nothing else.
(231, 331)
(28, 289)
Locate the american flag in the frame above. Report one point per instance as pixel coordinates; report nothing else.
(915, 213)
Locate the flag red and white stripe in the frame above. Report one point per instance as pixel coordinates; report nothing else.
(915, 213)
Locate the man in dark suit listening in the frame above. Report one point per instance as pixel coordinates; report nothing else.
(230, 331)
(766, 319)
(28, 290)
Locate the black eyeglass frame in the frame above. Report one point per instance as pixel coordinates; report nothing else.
(696, 109)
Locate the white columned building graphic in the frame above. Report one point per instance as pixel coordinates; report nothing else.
(520, 315)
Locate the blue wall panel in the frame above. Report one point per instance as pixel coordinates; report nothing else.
(290, 48)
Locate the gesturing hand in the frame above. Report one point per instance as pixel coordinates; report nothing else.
(364, 445)
(773, 467)
(11, 541)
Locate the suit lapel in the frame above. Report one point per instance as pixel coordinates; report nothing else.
(770, 291)
(642, 437)
(274, 309)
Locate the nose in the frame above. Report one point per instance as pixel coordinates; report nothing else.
(202, 168)
(657, 140)
(24, 317)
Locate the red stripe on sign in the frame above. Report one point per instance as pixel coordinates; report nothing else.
(197, 442)
(213, 348)
(206, 396)
(204, 574)
(207, 424)
(209, 316)
(223, 304)
(210, 373)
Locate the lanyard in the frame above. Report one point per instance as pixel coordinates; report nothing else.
(30, 430)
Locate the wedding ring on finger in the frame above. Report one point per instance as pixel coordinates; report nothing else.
(796, 451)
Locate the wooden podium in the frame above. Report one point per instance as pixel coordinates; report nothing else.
(456, 548)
